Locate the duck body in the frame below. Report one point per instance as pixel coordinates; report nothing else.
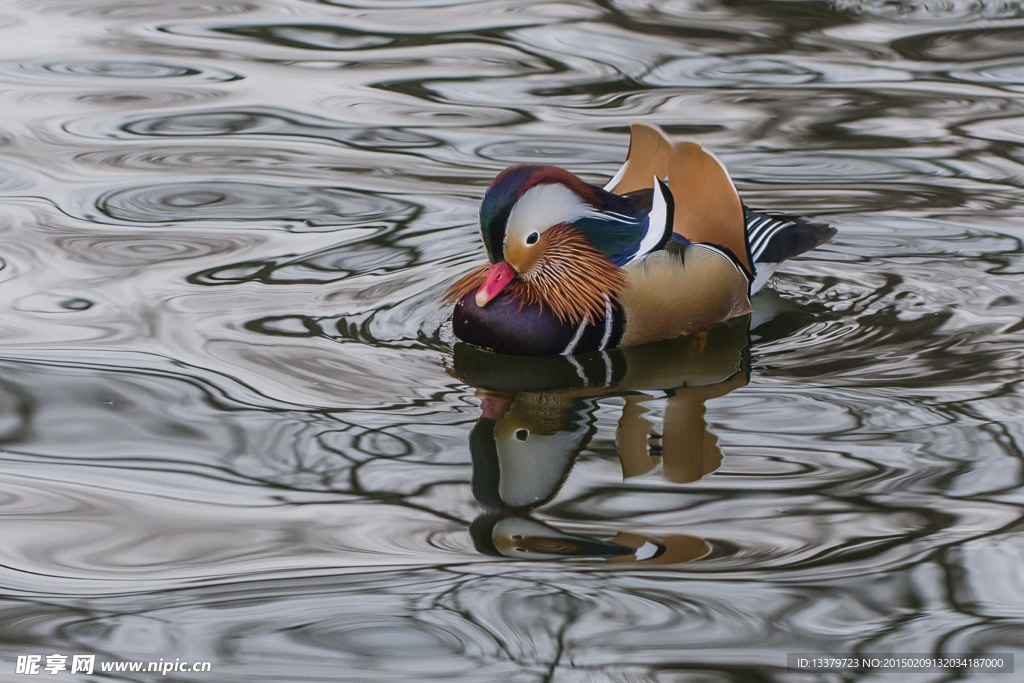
(665, 249)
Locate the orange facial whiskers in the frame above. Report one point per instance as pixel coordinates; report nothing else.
(570, 277)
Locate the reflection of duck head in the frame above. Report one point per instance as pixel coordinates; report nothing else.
(538, 415)
(520, 537)
(522, 456)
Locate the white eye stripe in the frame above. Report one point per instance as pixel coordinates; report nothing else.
(542, 207)
(618, 217)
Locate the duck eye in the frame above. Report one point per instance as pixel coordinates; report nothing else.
(532, 238)
(522, 434)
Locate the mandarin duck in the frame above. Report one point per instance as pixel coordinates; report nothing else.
(665, 249)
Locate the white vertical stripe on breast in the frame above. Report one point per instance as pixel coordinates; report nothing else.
(607, 323)
(575, 339)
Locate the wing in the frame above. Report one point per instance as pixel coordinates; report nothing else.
(629, 227)
(707, 207)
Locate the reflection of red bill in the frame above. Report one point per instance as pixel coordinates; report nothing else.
(494, 406)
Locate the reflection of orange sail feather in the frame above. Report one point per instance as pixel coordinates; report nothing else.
(688, 450)
(708, 208)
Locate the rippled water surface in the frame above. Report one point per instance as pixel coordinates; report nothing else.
(235, 426)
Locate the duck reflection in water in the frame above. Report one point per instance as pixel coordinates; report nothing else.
(538, 414)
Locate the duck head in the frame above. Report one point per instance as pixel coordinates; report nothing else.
(556, 242)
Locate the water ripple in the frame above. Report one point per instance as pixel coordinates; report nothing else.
(235, 425)
(99, 70)
(133, 251)
(257, 122)
(299, 207)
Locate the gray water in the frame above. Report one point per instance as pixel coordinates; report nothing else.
(235, 426)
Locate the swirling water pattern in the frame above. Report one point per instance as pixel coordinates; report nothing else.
(229, 429)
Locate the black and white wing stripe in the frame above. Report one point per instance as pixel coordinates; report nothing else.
(761, 228)
(774, 237)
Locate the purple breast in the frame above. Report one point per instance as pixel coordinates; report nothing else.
(505, 326)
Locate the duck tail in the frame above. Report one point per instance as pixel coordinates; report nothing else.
(774, 237)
